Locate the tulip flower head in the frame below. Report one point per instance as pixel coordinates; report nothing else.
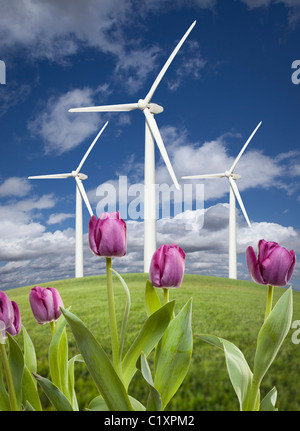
(167, 266)
(274, 264)
(6, 313)
(16, 325)
(107, 235)
(45, 303)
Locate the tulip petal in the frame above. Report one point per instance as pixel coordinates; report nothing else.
(57, 302)
(264, 249)
(291, 270)
(93, 223)
(15, 328)
(253, 266)
(6, 310)
(276, 267)
(173, 268)
(113, 237)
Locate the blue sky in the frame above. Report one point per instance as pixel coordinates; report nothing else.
(233, 71)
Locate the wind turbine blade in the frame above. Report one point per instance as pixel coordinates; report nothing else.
(107, 108)
(90, 148)
(84, 195)
(167, 64)
(238, 196)
(156, 135)
(244, 147)
(196, 177)
(51, 176)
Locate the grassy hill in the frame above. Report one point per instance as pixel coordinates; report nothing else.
(231, 309)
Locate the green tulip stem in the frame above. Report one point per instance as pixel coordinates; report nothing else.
(166, 295)
(52, 327)
(9, 380)
(269, 301)
(112, 315)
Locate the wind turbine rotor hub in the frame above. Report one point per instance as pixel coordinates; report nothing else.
(142, 104)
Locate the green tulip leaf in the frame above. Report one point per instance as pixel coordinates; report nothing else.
(99, 365)
(98, 405)
(154, 400)
(173, 354)
(16, 364)
(146, 340)
(28, 407)
(29, 352)
(29, 390)
(71, 380)
(152, 301)
(126, 314)
(268, 403)
(55, 396)
(239, 372)
(272, 334)
(238, 369)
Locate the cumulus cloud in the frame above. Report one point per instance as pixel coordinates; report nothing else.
(62, 130)
(194, 158)
(58, 218)
(15, 186)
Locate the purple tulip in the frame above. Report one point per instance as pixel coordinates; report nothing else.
(15, 327)
(167, 266)
(6, 313)
(274, 264)
(107, 235)
(45, 303)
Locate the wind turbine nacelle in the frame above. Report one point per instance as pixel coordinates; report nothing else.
(155, 109)
(236, 177)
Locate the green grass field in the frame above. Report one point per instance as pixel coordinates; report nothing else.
(231, 309)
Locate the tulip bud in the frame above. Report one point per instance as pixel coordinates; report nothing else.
(15, 327)
(107, 235)
(274, 264)
(45, 303)
(167, 266)
(6, 314)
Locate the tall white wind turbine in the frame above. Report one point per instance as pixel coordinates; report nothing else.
(233, 195)
(151, 133)
(80, 194)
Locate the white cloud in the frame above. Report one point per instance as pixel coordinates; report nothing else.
(59, 29)
(15, 186)
(59, 218)
(256, 168)
(62, 130)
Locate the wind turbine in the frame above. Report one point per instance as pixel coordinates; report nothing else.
(151, 133)
(80, 194)
(233, 195)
